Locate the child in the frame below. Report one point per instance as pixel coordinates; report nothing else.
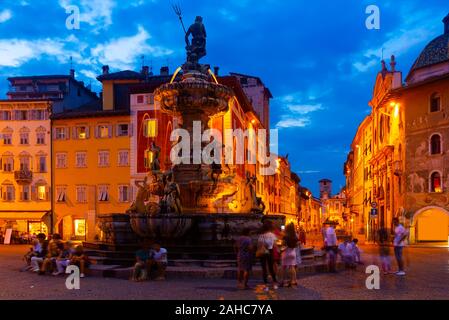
(384, 251)
(158, 261)
(357, 252)
(140, 272)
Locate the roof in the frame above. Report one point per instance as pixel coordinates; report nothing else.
(122, 75)
(437, 51)
(77, 114)
(254, 77)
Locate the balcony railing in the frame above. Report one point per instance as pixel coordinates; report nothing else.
(23, 176)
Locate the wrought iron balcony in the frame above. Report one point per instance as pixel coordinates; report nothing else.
(23, 176)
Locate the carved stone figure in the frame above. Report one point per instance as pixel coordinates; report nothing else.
(257, 205)
(139, 205)
(172, 196)
(155, 165)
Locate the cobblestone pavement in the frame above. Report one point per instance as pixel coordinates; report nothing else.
(427, 278)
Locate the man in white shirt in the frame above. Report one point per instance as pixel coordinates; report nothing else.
(400, 235)
(159, 261)
(330, 245)
(346, 251)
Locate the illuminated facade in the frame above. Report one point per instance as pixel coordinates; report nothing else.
(25, 170)
(407, 177)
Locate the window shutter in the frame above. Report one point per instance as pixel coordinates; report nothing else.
(33, 193)
(130, 130)
(130, 193)
(74, 131)
(87, 132)
(110, 131)
(97, 131)
(67, 133)
(54, 133)
(117, 130)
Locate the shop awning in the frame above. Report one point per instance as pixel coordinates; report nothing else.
(25, 215)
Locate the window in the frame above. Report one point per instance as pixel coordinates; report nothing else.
(7, 139)
(140, 99)
(150, 128)
(42, 164)
(123, 130)
(123, 158)
(103, 158)
(104, 131)
(24, 163)
(435, 183)
(8, 192)
(81, 133)
(61, 133)
(6, 115)
(80, 227)
(435, 103)
(24, 138)
(61, 194)
(61, 160)
(8, 164)
(435, 144)
(81, 159)
(41, 193)
(103, 193)
(21, 115)
(124, 193)
(25, 193)
(81, 194)
(40, 136)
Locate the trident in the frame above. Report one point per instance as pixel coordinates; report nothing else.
(178, 12)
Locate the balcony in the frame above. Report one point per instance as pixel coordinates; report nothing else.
(23, 176)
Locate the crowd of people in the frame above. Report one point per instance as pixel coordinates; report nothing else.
(52, 256)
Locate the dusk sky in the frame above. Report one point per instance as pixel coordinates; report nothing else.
(317, 57)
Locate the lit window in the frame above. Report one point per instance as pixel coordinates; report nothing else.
(150, 128)
(104, 131)
(82, 133)
(80, 227)
(435, 144)
(41, 193)
(435, 183)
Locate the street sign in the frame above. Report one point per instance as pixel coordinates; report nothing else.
(374, 213)
(374, 205)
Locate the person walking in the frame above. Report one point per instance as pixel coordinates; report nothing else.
(384, 250)
(400, 235)
(244, 250)
(288, 256)
(265, 244)
(330, 246)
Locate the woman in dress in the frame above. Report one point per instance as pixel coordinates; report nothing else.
(288, 257)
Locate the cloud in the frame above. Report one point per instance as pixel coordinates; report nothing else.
(5, 15)
(123, 52)
(304, 109)
(228, 15)
(96, 13)
(309, 172)
(292, 122)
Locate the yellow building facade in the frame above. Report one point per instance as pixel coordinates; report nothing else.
(91, 163)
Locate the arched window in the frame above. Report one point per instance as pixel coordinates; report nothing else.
(436, 183)
(435, 102)
(435, 144)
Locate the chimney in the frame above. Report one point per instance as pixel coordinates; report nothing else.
(164, 71)
(446, 24)
(72, 73)
(393, 63)
(216, 69)
(145, 70)
(105, 69)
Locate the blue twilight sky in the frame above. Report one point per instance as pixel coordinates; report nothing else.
(317, 57)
